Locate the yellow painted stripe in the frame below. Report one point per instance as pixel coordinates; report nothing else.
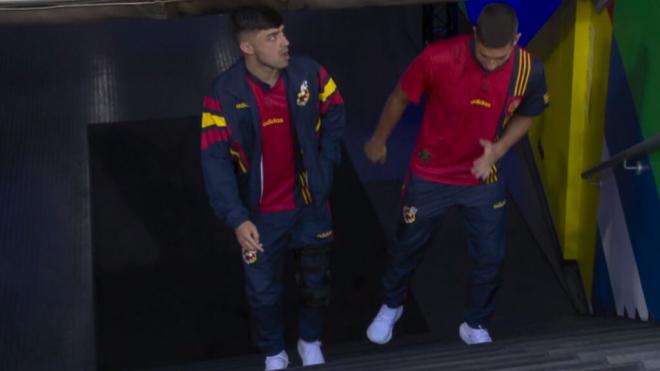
(235, 153)
(328, 89)
(209, 119)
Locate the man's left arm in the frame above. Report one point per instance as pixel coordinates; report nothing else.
(533, 104)
(330, 126)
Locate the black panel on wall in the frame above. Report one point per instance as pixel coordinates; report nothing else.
(58, 79)
(168, 277)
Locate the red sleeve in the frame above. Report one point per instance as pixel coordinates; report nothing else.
(416, 78)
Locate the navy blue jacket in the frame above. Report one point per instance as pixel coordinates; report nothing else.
(231, 138)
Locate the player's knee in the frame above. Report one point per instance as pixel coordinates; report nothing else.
(313, 275)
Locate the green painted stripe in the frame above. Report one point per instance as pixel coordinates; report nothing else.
(636, 28)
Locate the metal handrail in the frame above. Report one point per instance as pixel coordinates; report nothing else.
(646, 146)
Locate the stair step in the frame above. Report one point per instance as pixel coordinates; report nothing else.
(592, 344)
(651, 364)
(613, 352)
(573, 365)
(640, 344)
(571, 343)
(634, 356)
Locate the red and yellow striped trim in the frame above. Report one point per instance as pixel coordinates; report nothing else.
(492, 178)
(304, 188)
(524, 72)
(237, 157)
(329, 88)
(209, 119)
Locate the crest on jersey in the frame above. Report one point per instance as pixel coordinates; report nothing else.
(303, 94)
(409, 214)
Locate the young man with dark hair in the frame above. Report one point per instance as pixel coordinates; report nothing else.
(271, 136)
(482, 91)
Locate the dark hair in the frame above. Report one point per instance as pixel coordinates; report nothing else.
(254, 18)
(497, 25)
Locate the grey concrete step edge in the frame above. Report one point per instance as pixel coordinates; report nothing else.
(441, 362)
(634, 353)
(652, 364)
(456, 349)
(634, 356)
(582, 342)
(467, 352)
(580, 334)
(612, 348)
(452, 351)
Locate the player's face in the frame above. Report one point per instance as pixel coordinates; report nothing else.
(270, 47)
(493, 58)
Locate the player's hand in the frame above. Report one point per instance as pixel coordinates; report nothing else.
(248, 236)
(375, 150)
(483, 166)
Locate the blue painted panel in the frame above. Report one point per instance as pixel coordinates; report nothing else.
(638, 193)
(532, 15)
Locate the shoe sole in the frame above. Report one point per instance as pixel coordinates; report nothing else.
(389, 335)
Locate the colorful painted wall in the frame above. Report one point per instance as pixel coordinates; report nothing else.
(603, 72)
(627, 278)
(575, 47)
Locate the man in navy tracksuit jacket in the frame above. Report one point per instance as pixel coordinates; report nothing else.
(271, 136)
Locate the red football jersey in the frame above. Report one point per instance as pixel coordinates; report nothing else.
(464, 103)
(278, 163)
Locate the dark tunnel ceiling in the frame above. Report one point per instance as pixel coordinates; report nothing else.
(14, 12)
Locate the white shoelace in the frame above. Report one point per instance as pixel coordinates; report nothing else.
(481, 334)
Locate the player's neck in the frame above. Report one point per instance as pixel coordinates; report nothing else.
(267, 74)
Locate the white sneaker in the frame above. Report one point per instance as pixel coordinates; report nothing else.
(472, 336)
(380, 329)
(279, 361)
(310, 353)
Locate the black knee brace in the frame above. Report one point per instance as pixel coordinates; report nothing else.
(313, 297)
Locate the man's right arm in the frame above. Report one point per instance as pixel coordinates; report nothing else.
(376, 147)
(410, 88)
(220, 177)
